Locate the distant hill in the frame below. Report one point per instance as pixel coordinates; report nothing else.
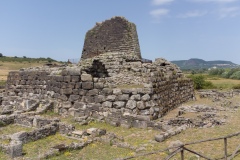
(195, 63)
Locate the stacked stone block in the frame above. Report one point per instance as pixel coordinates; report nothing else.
(110, 82)
(114, 35)
(149, 92)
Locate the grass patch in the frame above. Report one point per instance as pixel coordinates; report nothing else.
(13, 128)
(95, 151)
(223, 83)
(50, 114)
(217, 82)
(237, 86)
(3, 155)
(2, 83)
(36, 148)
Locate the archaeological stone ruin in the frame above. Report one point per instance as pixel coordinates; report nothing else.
(111, 83)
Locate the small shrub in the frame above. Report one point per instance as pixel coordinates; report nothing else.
(236, 86)
(201, 83)
(198, 81)
(208, 85)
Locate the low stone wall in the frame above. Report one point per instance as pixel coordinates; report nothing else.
(112, 87)
(43, 128)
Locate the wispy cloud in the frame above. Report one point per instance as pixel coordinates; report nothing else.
(229, 12)
(193, 14)
(215, 1)
(161, 2)
(157, 13)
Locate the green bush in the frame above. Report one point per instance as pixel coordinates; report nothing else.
(201, 83)
(225, 74)
(208, 85)
(235, 75)
(216, 71)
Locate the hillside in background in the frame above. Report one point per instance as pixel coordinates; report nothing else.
(195, 63)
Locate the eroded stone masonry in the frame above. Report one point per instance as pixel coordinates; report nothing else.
(111, 82)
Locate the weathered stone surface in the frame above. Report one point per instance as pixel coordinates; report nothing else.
(98, 85)
(131, 104)
(99, 99)
(159, 138)
(136, 97)
(123, 97)
(66, 91)
(141, 105)
(87, 85)
(107, 104)
(92, 92)
(86, 77)
(67, 105)
(88, 99)
(117, 91)
(79, 105)
(107, 91)
(67, 78)
(15, 149)
(75, 78)
(73, 98)
(116, 34)
(91, 131)
(19, 136)
(146, 97)
(139, 124)
(111, 98)
(118, 104)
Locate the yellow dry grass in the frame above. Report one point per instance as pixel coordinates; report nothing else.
(223, 82)
(6, 67)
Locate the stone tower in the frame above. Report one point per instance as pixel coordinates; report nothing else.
(114, 35)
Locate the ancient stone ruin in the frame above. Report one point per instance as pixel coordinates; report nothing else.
(111, 84)
(114, 35)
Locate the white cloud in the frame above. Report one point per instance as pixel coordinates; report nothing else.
(229, 12)
(157, 13)
(192, 14)
(161, 2)
(215, 1)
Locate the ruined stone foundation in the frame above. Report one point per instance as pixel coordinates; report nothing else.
(111, 84)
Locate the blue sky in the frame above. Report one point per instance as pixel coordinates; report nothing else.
(172, 29)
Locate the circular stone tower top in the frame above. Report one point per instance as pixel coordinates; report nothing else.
(114, 35)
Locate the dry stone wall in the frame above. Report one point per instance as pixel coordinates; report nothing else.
(110, 83)
(114, 35)
(124, 91)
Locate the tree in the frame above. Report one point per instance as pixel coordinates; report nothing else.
(235, 75)
(1, 55)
